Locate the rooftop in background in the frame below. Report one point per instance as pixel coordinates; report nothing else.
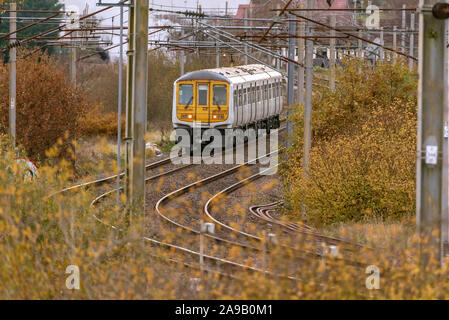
(241, 11)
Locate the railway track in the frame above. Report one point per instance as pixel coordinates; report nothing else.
(188, 251)
(113, 178)
(324, 242)
(265, 213)
(189, 230)
(107, 180)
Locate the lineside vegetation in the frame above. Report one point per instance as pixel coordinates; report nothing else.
(362, 165)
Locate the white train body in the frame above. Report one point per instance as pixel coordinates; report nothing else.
(225, 98)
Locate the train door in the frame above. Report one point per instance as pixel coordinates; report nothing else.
(265, 100)
(202, 105)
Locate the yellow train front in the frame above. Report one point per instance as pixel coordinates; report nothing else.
(243, 97)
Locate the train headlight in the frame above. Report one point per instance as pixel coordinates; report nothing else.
(189, 116)
(217, 116)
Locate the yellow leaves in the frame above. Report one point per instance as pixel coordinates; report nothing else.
(362, 158)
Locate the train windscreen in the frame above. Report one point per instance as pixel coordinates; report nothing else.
(185, 94)
(203, 94)
(220, 95)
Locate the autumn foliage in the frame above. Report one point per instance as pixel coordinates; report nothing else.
(362, 165)
(48, 106)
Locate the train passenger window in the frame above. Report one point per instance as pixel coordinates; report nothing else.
(235, 98)
(220, 97)
(185, 94)
(253, 94)
(245, 97)
(203, 92)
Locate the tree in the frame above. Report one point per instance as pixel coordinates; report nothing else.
(48, 106)
(45, 5)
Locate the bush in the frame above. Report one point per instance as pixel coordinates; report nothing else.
(41, 236)
(97, 122)
(48, 106)
(362, 164)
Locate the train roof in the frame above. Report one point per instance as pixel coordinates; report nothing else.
(234, 75)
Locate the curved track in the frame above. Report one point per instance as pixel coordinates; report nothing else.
(323, 240)
(109, 179)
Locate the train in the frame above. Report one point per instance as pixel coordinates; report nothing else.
(241, 97)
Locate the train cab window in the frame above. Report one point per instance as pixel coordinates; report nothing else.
(203, 93)
(185, 94)
(220, 95)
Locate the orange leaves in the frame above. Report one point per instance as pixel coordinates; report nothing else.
(98, 123)
(48, 107)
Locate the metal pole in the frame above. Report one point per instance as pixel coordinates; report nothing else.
(360, 46)
(301, 45)
(129, 105)
(412, 40)
(119, 124)
(309, 84)
(445, 177)
(139, 107)
(278, 60)
(217, 52)
(333, 22)
(382, 56)
(12, 74)
(182, 58)
(73, 59)
(308, 99)
(404, 26)
(182, 62)
(201, 248)
(264, 251)
(291, 77)
(395, 42)
(431, 105)
(246, 47)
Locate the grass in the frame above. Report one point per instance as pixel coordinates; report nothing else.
(92, 151)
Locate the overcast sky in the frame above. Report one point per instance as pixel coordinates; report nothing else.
(157, 4)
